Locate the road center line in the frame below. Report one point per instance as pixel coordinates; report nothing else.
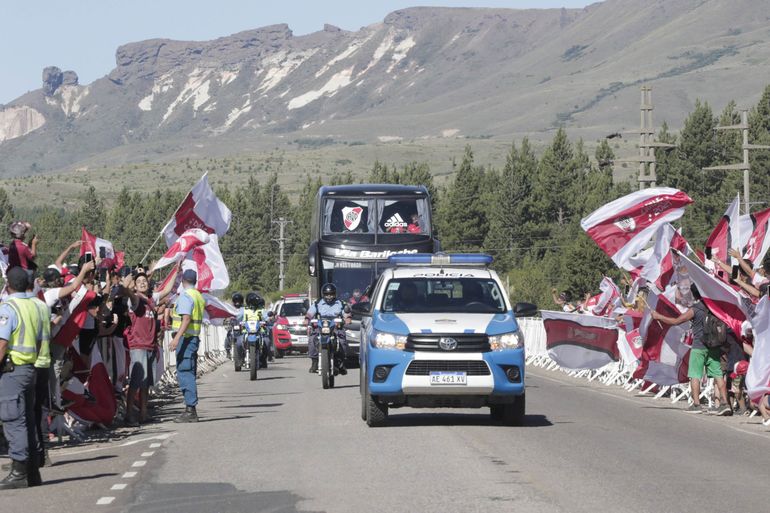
(129, 475)
(119, 486)
(103, 501)
(147, 454)
(139, 463)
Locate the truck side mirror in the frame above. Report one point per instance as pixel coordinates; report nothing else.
(525, 310)
(362, 308)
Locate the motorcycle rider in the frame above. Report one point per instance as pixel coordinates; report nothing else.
(328, 308)
(254, 309)
(237, 299)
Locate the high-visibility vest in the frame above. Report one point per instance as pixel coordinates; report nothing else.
(44, 353)
(22, 347)
(252, 315)
(196, 319)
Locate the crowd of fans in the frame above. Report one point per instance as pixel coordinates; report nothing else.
(716, 351)
(93, 304)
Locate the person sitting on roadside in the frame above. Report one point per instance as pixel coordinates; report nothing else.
(701, 354)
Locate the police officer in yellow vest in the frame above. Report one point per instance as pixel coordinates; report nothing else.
(44, 376)
(20, 338)
(186, 321)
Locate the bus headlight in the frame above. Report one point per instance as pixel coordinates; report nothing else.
(512, 340)
(383, 340)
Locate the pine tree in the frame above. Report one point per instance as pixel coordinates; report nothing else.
(463, 220)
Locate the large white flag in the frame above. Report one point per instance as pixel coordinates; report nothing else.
(758, 242)
(217, 310)
(623, 227)
(726, 235)
(207, 261)
(758, 375)
(659, 269)
(200, 209)
(189, 240)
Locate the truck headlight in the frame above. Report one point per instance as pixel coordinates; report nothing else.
(512, 340)
(282, 327)
(383, 340)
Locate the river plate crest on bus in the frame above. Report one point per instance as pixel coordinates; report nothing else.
(352, 217)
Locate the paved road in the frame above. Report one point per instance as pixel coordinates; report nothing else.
(284, 444)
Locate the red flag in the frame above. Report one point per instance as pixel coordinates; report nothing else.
(93, 244)
(726, 235)
(200, 209)
(73, 317)
(576, 341)
(217, 310)
(759, 242)
(623, 227)
(605, 302)
(664, 356)
(188, 241)
(103, 409)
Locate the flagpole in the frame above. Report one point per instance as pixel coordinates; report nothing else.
(164, 226)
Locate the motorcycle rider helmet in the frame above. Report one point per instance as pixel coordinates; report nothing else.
(238, 299)
(252, 300)
(329, 292)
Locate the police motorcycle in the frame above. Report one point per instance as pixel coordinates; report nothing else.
(234, 333)
(256, 335)
(328, 348)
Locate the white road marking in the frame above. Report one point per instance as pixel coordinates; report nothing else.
(103, 501)
(139, 463)
(154, 446)
(119, 486)
(164, 436)
(129, 475)
(147, 454)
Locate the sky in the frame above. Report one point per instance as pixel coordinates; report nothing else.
(82, 35)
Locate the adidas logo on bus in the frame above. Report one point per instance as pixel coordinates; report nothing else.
(396, 221)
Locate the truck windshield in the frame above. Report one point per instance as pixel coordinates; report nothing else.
(425, 295)
(292, 310)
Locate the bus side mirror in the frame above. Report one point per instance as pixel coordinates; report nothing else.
(362, 308)
(525, 310)
(312, 259)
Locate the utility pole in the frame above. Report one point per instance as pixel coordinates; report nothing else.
(743, 166)
(647, 144)
(281, 222)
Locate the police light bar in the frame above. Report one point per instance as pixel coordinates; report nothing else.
(442, 259)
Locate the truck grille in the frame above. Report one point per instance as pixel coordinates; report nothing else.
(466, 342)
(424, 367)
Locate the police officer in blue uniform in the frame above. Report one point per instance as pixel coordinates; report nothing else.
(20, 339)
(328, 308)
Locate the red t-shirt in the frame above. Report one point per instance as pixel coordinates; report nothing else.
(19, 255)
(141, 333)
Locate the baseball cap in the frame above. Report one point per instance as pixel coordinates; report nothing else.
(190, 276)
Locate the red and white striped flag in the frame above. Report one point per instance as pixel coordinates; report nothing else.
(726, 235)
(73, 317)
(665, 355)
(722, 300)
(758, 375)
(207, 261)
(93, 244)
(659, 269)
(577, 341)
(635, 264)
(623, 227)
(188, 241)
(218, 310)
(759, 242)
(200, 209)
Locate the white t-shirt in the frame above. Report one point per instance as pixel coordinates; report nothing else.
(51, 296)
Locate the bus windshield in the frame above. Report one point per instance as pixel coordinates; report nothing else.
(376, 215)
(348, 276)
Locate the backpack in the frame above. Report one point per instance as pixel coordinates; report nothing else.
(714, 330)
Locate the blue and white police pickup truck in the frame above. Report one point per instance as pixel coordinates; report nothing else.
(440, 332)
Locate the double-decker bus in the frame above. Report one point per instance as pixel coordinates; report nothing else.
(355, 228)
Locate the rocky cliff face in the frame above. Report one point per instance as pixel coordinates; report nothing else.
(421, 73)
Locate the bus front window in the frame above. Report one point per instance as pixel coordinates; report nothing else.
(409, 215)
(348, 276)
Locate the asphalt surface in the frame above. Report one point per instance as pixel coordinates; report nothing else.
(283, 444)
